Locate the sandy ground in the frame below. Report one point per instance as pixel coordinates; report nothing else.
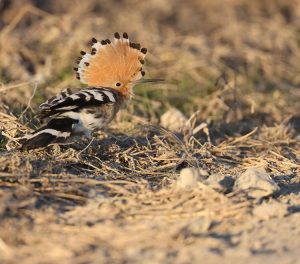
(159, 185)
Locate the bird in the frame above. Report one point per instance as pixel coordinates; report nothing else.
(110, 71)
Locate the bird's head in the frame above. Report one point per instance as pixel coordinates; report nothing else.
(117, 64)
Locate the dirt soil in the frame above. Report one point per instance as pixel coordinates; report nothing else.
(165, 182)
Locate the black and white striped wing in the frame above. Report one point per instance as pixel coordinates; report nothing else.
(52, 101)
(85, 98)
(57, 129)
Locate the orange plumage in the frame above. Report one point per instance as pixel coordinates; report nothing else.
(114, 64)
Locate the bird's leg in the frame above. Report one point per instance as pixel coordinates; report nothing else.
(88, 134)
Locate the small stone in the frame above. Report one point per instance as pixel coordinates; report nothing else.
(220, 182)
(266, 211)
(256, 182)
(173, 120)
(189, 178)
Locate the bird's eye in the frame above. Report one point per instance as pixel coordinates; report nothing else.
(118, 84)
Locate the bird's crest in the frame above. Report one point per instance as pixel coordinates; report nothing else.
(111, 64)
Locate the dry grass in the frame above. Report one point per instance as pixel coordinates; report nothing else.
(233, 65)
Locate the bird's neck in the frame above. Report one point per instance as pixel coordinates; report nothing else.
(127, 92)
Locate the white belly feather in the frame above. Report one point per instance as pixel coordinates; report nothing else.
(86, 122)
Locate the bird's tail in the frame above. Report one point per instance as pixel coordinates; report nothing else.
(57, 130)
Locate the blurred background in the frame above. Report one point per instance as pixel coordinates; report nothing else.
(234, 60)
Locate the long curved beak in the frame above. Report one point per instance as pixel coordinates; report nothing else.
(148, 81)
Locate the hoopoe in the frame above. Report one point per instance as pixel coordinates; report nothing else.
(110, 70)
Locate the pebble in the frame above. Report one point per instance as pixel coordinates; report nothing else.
(190, 177)
(257, 183)
(173, 120)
